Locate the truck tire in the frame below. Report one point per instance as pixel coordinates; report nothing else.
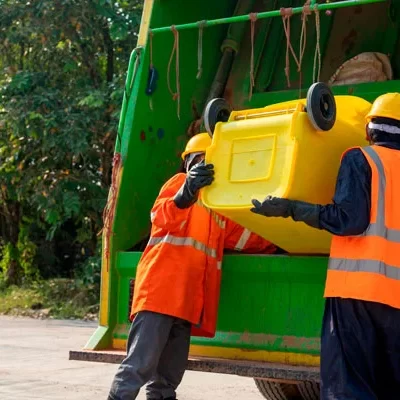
(309, 390)
(321, 107)
(276, 390)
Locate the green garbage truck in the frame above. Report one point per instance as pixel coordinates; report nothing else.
(252, 54)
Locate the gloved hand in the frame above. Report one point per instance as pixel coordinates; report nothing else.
(198, 176)
(298, 210)
(271, 207)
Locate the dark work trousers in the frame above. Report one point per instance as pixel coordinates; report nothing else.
(360, 351)
(157, 354)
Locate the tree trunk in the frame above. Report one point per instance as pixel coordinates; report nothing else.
(109, 45)
(13, 273)
(12, 215)
(108, 141)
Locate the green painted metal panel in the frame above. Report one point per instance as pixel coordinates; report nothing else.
(367, 91)
(271, 303)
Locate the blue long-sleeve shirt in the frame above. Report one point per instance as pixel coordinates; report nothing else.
(350, 212)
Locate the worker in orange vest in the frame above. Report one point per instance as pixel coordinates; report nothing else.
(360, 345)
(178, 280)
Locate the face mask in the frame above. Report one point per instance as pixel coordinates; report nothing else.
(192, 159)
(394, 130)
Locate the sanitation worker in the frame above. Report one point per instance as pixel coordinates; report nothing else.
(360, 344)
(178, 280)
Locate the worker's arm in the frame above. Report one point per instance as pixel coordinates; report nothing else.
(350, 212)
(241, 239)
(176, 197)
(199, 176)
(165, 214)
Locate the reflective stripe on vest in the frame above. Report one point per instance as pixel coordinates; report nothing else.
(219, 220)
(377, 267)
(240, 245)
(183, 241)
(378, 228)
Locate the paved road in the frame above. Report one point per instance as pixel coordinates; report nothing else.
(34, 365)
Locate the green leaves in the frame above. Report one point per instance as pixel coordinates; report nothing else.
(60, 99)
(20, 83)
(93, 100)
(102, 3)
(119, 31)
(71, 204)
(70, 66)
(52, 216)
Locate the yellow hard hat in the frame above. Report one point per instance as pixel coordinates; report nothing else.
(387, 105)
(197, 144)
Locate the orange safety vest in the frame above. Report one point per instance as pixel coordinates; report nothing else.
(367, 266)
(179, 273)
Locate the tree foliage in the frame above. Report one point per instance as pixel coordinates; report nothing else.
(62, 70)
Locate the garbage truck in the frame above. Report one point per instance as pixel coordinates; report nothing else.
(283, 85)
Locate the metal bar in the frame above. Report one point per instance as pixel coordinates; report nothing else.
(130, 78)
(253, 369)
(267, 14)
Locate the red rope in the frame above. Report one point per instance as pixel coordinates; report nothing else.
(109, 209)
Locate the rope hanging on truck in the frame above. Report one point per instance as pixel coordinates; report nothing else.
(175, 51)
(286, 15)
(109, 209)
(303, 40)
(303, 36)
(317, 46)
(270, 14)
(253, 19)
(202, 25)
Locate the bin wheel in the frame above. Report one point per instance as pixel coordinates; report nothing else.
(276, 390)
(309, 390)
(321, 106)
(216, 110)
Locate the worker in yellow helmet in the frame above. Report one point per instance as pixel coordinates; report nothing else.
(195, 149)
(360, 344)
(178, 279)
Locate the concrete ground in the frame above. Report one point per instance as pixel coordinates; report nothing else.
(34, 365)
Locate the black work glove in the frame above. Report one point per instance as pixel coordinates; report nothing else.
(298, 210)
(198, 176)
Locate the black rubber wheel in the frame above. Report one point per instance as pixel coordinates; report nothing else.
(321, 107)
(217, 110)
(309, 390)
(277, 391)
